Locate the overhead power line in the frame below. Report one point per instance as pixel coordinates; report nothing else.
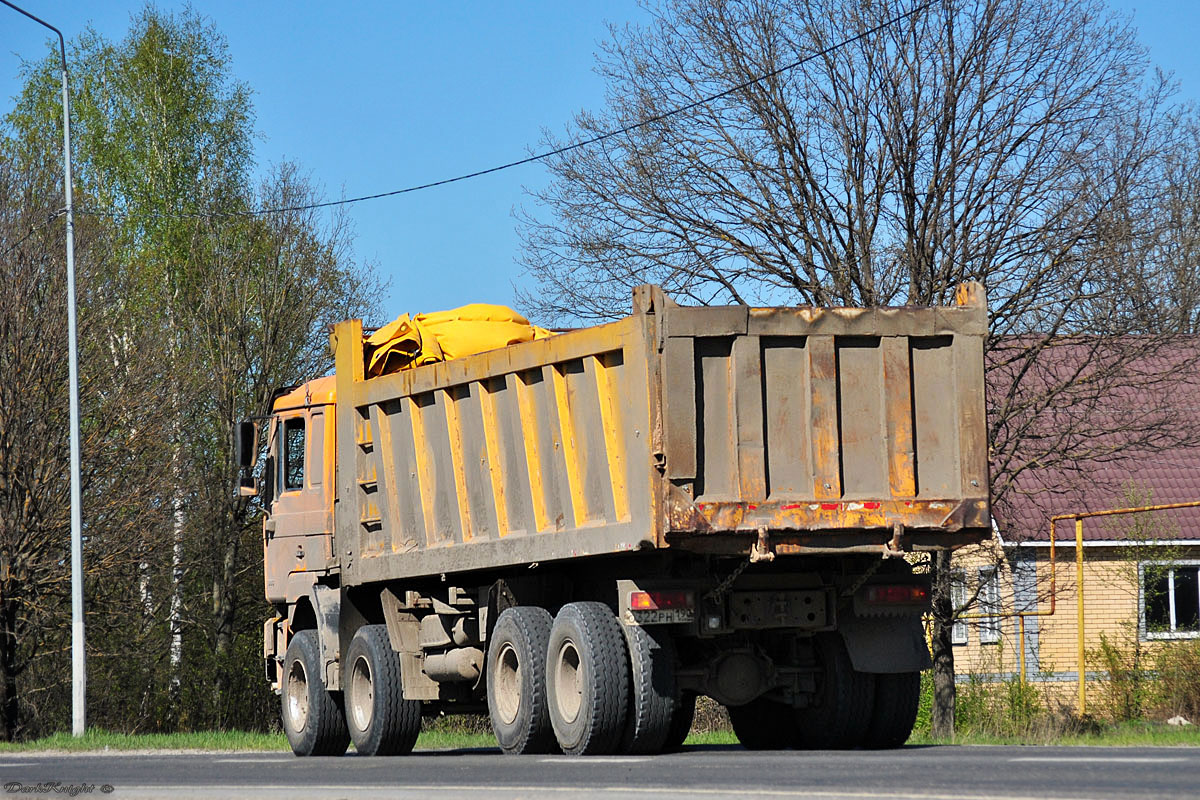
(34, 229)
(540, 156)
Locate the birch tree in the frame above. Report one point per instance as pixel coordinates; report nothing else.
(204, 305)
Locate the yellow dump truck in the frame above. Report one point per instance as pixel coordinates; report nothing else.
(581, 534)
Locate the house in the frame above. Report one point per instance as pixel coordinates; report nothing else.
(1140, 572)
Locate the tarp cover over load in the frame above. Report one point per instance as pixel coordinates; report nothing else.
(413, 340)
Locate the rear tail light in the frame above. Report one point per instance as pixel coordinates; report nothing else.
(903, 593)
(653, 601)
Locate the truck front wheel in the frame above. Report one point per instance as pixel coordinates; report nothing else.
(381, 721)
(587, 679)
(516, 675)
(312, 717)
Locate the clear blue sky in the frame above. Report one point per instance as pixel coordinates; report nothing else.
(374, 96)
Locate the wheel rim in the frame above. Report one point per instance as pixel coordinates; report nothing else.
(297, 696)
(568, 681)
(362, 693)
(507, 684)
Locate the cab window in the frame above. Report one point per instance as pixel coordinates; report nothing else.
(293, 454)
(317, 449)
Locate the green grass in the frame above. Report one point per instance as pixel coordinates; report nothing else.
(1130, 734)
(94, 739)
(222, 741)
(1127, 734)
(712, 737)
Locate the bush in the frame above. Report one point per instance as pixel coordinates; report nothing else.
(924, 724)
(1127, 690)
(1179, 679)
(1014, 710)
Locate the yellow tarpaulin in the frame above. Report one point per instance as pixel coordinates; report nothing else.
(411, 341)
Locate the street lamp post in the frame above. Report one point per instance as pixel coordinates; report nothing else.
(78, 672)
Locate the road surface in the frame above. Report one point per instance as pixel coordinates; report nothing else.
(916, 773)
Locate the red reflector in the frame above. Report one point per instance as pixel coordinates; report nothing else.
(829, 506)
(897, 594)
(650, 601)
(871, 506)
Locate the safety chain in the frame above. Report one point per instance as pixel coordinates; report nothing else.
(862, 579)
(721, 588)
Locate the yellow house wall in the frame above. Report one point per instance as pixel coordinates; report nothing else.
(1110, 601)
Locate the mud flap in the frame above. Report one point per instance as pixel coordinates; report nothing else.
(885, 644)
(327, 604)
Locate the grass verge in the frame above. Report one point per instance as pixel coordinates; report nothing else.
(231, 741)
(1126, 734)
(1130, 734)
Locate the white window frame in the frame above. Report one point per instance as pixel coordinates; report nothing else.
(989, 603)
(1171, 566)
(958, 599)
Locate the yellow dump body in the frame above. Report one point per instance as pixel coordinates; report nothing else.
(832, 430)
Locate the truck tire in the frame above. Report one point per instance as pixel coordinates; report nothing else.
(763, 724)
(381, 721)
(897, 697)
(587, 685)
(653, 694)
(681, 722)
(839, 717)
(312, 717)
(516, 680)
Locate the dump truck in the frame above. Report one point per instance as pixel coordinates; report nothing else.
(580, 535)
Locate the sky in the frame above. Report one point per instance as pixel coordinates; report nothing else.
(373, 96)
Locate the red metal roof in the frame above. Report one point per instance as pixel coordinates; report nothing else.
(1162, 389)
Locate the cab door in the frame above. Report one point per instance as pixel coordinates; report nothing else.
(298, 534)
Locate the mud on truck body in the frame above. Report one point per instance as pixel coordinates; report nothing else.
(579, 535)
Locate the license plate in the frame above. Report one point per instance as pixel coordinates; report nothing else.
(660, 616)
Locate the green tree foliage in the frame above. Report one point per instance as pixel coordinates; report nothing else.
(193, 310)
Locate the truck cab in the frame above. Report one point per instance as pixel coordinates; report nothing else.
(297, 490)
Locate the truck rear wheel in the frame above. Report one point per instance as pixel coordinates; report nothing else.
(381, 721)
(839, 717)
(681, 721)
(763, 724)
(586, 679)
(653, 695)
(312, 717)
(516, 676)
(897, 697)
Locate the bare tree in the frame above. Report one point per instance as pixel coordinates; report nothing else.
(268, 291)
(1014, 142)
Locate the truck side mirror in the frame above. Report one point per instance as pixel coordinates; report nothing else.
(246, 444)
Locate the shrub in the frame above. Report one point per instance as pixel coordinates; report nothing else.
(1126, 690)
(1179, 679)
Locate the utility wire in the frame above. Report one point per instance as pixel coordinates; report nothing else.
(540, 156)
(34, 229)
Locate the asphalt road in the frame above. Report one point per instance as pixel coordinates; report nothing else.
(920, 773)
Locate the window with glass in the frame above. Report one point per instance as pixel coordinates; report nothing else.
(316, 455)
(1170, 600)
(958, 600)
(989, 603)
(293, 454)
